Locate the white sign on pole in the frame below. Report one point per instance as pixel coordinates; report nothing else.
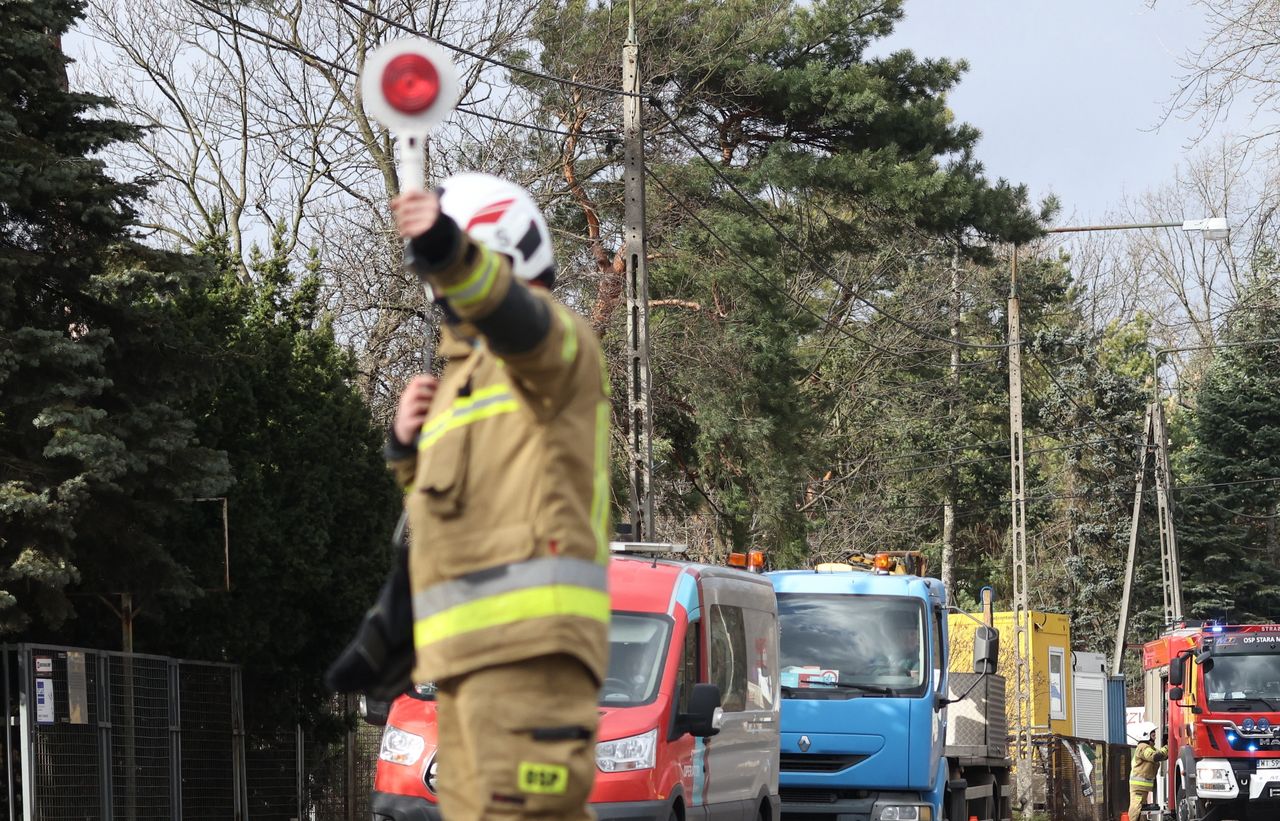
(44, 664)
(44, 701)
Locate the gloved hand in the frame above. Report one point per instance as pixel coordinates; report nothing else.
(380, 659)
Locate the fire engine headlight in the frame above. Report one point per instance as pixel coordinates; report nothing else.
(905, 812)
(632, 753)
(399, 747)
(1214, 779)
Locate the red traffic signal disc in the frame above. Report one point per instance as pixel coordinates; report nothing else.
(410, 83)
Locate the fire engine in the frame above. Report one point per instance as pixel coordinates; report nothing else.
(1213, 692)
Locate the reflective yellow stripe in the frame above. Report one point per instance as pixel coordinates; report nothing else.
(509, 608)
(483, 404)
(569, 351)
(476, 287)
(1138, 782)
(600, 485)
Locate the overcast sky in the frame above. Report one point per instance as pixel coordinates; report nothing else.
(1068, 94)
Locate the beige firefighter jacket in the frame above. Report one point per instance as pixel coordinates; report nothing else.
(1146, 761)
(508, 488)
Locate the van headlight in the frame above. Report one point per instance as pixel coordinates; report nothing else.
(399, 747)
(631, 753)
(905, 812)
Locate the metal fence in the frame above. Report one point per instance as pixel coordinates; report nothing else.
(1084, 780)
(294, 775)
(104, 735)
(111, 736)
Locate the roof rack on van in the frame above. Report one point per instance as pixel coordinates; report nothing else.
(647, 547)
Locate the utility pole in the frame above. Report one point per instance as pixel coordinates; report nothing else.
(1170, 566)
(949, 503)
(639, 401)
(1131, 566)
(1018, 539)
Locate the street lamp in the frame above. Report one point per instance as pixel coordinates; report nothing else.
(1213, 228)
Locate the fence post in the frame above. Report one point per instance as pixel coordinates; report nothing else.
(301, 770)
(175, 741)
(106, 787)
(24, 721)
(239, 756)
(8, 732)
(350, 792)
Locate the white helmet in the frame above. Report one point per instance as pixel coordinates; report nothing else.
(504, 217)
(1140, 731)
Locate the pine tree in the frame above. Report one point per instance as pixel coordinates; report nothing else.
(1229, 532)
(96, 449)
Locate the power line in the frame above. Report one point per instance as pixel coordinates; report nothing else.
(1070, 398)
(806, 255)
(308, 56)
(617, 92)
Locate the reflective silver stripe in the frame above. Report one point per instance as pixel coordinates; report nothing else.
(506, 579)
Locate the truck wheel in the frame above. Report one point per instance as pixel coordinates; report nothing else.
(1189, 806)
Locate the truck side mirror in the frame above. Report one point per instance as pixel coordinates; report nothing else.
(1175, 694)
(705, 716)
(986, 650)
(375, 711)
(1175, 670)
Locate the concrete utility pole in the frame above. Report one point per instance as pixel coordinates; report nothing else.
(1018, 534)
(949, 503)
(1170, 566)
(1131, 566)
(639, 400)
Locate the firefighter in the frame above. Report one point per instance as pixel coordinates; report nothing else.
(504, 463)
(1146, 760)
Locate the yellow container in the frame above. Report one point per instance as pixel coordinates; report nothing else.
(1050, 667)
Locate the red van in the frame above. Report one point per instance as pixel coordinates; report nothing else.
(689, 710)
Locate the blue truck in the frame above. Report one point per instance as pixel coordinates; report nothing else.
(867, 695)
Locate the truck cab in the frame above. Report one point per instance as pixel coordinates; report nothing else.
(865, 695)
(689, 708)
(1213, 692)
(864, 685)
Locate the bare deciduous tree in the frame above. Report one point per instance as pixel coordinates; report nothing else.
(256, 126)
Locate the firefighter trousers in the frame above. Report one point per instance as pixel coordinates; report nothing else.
(1137, 797)
(517, 741)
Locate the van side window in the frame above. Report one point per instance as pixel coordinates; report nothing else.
(762, 658)
(688, 675)
(728, 658)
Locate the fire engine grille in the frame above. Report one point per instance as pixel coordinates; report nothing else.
(804, 762)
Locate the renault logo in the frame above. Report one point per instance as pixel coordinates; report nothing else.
(804, 744)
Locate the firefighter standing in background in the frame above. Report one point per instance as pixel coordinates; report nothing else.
(504, 463)
(1146, 761)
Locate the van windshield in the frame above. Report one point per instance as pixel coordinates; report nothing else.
(637, 646)
(853, 645)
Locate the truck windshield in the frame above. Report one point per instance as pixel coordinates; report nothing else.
(1244, 682)
(637, 646)
(852, 644)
